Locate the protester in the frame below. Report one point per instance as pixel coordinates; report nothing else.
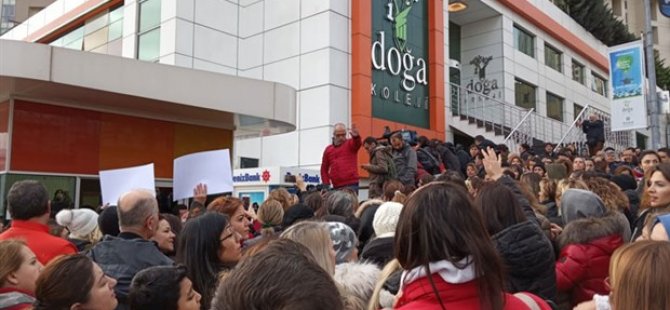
(163, 288)
(234, 208)
(657, 195)
(19, 270)
(283, 275)
(270, 216)
(657, 228)
(527, 254)
(366, 214)
(108, 221)
(594, 129)
(297, 213)
(75, 282)
(339, 206)
(316, 237)
(164, 236)
(638, 276)
(339, 165)
(82, 225)
(28, 205)
(404, 157)
(441, 231)
(380, 168)
(586, 245)
(209, 247)
(132, 251)
(380, 249)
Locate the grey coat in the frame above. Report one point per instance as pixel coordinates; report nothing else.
(405, 165)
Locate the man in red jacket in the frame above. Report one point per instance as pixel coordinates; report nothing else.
(339, 165)
(29, 206)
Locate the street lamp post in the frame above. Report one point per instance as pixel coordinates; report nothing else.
(651, 75)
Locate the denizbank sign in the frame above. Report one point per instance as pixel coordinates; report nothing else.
(399, 61)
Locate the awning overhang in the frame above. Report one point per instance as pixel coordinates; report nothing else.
(59, 76)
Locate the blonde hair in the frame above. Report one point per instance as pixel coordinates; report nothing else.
(316, 237)
(566, 184)
(638, 276)
(10, 258)
(613, 198)
(93, 237)
(283, 196)
(270, 214)
(385, 274)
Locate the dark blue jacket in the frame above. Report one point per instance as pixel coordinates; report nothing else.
(124, 256)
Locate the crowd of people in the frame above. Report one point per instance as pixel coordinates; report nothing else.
(442, 228)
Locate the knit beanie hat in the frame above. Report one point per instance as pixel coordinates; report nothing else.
(108, 221)
(80, 222)
(386, 219)
(579, 203)
(344, 240)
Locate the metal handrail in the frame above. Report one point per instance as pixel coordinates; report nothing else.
(519, 124)
(572, 126)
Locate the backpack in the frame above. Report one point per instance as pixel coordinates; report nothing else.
(428, 161)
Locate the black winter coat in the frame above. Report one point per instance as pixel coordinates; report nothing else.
(529, 258)
(378, 251)
(122, 257)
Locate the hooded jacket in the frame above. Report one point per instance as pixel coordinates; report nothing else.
(339, 163)
(456, 288)
(529, 258)
(379, 251)
(586, 246)
(380, 160)
(579, 203)
(357, 279)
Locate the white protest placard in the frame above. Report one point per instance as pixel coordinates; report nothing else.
(116, 182)
(211, 168)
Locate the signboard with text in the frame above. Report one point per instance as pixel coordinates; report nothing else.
(629, 109)
(399, 53)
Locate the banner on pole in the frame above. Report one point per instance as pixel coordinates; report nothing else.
(664, 7)
(628, 105)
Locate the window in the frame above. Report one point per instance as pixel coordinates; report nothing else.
(524, 94)
(524, 41)
(577, 72)
(148, 42)
(553, 58)
(599, 85)
(554, 107)
(96, 34)
(576, 109)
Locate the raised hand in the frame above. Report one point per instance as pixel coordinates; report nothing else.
(200, 193)
(492, 164)
(353, 131)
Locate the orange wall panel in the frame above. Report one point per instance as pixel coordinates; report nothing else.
(50, 138)
(129, 141)
(4, 133)
(191, 139)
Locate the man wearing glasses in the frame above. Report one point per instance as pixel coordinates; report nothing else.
(339, 165)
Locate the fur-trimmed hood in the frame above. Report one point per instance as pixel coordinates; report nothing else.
(357, 279)
(586, 230)
(367, 204)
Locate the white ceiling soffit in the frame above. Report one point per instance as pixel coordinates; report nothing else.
(128, 86)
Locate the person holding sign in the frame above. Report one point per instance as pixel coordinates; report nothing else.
(339, 165)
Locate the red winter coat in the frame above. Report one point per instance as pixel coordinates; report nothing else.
(45, 246)
(339, 165)
(420, 295)
(583, 264)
